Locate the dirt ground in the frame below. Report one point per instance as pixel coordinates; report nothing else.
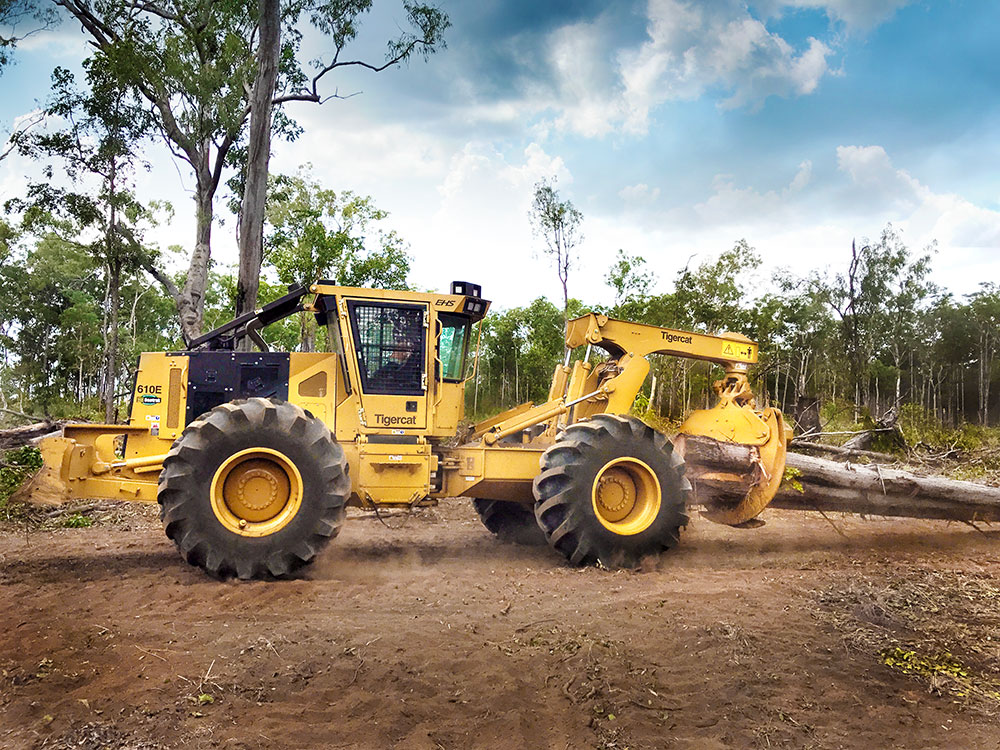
(807, 632)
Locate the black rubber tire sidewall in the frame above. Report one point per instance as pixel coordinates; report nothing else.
(186, 503)
(574, 472)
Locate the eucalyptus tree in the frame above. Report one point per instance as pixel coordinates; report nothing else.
(99, 141)
(20, 19)
(338, 21)
(557, 222)
(314, 232)
(876, 301)
(207, 68)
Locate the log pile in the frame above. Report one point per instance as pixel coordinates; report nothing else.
(829, 486)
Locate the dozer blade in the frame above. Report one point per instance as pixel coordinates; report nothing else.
(82, 464)
(48, 486)
(738, 498)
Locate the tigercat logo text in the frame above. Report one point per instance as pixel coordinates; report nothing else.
(385, 420)
(674, 338)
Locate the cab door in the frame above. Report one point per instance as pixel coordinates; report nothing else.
(390, 345)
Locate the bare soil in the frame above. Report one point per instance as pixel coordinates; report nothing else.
(435, 635)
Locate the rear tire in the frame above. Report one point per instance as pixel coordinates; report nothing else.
(611, 491)
(510, 522)
(252, 489)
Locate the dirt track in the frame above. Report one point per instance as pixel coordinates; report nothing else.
(437, 636)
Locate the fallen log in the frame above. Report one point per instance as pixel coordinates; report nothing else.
(837, 450)
(830, 486)
(16, 437)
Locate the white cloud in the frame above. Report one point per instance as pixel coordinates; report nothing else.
(879, 188)
(638, 195)
(691, 48)
(855, 14)
(583, 79)
(695, 47)
(730, 204)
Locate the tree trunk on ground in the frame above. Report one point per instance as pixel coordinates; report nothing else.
(259, 153)
(835, 487)
(16, 437)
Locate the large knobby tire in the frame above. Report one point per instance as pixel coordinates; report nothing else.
(510, 522)
(253, 488)
(611, 491)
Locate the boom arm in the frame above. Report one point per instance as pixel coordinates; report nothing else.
(731, 350)
(629, 344)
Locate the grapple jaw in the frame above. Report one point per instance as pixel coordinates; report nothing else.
(733, 498)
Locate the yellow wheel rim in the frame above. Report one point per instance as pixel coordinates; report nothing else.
(256, 492)
(626, 496)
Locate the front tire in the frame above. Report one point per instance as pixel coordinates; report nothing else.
(253, 488)
(611, 491)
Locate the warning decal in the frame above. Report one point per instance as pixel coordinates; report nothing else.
(738, 351)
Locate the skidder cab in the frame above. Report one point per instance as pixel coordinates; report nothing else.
(253, 456)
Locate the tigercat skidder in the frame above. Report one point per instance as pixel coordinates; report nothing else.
(254, 456)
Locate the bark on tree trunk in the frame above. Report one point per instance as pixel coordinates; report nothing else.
(16, 437)
(255, 190)
(836, 487)
(191, 300)
(111, 348)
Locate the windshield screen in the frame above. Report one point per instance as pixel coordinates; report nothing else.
(453, 346)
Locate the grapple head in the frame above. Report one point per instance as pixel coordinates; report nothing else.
(735, 498)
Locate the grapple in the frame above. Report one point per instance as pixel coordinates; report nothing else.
(735, 498)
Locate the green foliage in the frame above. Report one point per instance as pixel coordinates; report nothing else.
(714, 296)
(15, 467)
(520, 349)
(315, 233)
(792, 477)
(77, 521)
(18, 19)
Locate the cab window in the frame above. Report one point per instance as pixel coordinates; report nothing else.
(390, 345)
(453, 346)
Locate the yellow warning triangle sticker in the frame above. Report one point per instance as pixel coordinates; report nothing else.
(728, 349)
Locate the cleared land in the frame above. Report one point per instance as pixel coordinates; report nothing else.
(802, 633)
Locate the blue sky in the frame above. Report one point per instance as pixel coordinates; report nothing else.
(676, 127)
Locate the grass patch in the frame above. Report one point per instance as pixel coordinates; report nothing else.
(77, 521)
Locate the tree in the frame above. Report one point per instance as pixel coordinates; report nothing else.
(557, 222)
(984, 306)
(630, 278)
(14, 16)
(207, 68)
(101, 139)
(316, 233)
(875, 299)
(339, 22)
